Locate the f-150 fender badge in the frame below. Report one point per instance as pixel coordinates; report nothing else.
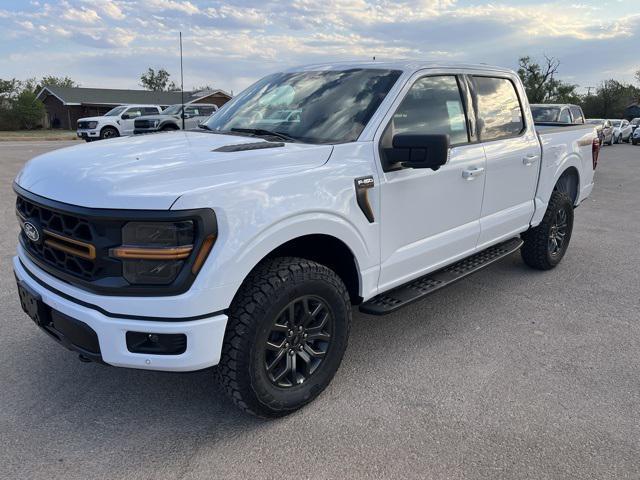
(363, 184)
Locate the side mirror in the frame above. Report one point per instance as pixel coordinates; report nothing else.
(125, 116)
(420, 151)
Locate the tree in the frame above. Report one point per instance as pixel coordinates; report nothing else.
(540, 82)
(58, 81)
(610, 99)
(157, 81)
(9, 89)
(638, 76)
(28, 110)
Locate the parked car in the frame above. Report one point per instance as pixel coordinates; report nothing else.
(604, 128)
(635, 123)
(171, 118)
(117, 122)
(547, 113)
(621, 130)
(248, 248)
(635, 138)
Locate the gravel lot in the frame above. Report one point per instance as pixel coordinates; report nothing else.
(509, 374)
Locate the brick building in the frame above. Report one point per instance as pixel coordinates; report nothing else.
(64, 106)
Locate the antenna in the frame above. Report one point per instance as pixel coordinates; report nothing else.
(181, 82)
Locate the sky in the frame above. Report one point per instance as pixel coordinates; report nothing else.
(230, 44)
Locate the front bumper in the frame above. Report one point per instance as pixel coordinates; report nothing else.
(204, 335)
(87, 134)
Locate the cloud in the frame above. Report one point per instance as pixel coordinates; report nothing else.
(83, 15)
(230, 43)
(172, 5)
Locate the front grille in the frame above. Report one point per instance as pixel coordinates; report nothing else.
(83, 125)
(68, 242)
(143, 124)
(74, 243)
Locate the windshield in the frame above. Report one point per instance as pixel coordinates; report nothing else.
(311, 107)
(545, 114)
(616, 123)
(172, 110)
(115, 111)
(635, 121)
(595, 121)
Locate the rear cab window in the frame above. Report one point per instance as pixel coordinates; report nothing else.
(499, 111)
(576, 113)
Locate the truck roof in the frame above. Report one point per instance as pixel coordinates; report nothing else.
(404, 65)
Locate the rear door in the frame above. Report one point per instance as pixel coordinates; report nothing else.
(429, 218)
(512, 152)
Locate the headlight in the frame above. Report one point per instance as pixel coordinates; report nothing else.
(93, 124)
(154, 253)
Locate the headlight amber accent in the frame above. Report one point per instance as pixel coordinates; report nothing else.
(207, 244)
(150, 253)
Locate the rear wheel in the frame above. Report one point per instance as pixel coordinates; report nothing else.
(286, 334)
(545, 245)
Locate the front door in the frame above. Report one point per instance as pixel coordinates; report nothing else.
(128, 118)
(430, 218)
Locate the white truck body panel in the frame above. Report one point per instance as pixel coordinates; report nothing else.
(424, 219)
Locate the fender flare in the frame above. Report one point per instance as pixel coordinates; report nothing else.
(239, 262)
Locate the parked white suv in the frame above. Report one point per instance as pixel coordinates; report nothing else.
(117, 122)
(622, 131)
(247, 244)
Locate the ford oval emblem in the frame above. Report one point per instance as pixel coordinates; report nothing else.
(31, 231)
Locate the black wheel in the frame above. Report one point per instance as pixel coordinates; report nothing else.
(108, 132)
(545, 245)
(169, 128)
(287, 332)
(634, 141)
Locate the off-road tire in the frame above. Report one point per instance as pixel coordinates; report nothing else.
(535, 251)
(266, 291)
(109, 132)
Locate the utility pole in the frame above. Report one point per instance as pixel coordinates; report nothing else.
(181, 83)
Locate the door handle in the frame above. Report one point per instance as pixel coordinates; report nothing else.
(472, 173)
(530, 159)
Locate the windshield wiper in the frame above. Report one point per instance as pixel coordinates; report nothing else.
(261, 132)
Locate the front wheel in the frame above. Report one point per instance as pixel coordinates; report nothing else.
(108, 132)
(634, 141)
(287, 332)
(545, 245)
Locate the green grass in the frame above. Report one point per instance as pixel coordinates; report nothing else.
(26, 135)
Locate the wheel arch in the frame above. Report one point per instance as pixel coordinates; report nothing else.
(167, 125)
(569, 183)
(112, 127)
(326, 250)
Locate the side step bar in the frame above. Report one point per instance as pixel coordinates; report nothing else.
(421, 287)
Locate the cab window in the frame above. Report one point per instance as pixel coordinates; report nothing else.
(499, 111)
(564, 117)
(433, 105)
(578, 117)
(134, 112)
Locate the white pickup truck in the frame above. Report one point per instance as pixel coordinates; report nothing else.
(117, 122)
(245, 245)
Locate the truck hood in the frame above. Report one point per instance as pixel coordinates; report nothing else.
(91, 119)
(152, 171)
